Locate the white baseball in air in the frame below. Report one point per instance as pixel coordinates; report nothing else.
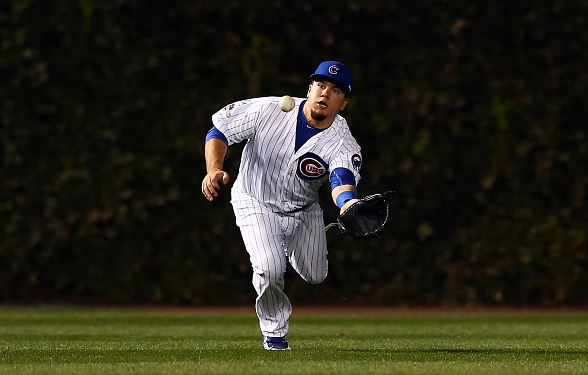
(286, 103)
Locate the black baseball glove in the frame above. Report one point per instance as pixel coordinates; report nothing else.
(367, 217)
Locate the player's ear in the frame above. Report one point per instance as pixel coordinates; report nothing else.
(309, 88)
(345, 102)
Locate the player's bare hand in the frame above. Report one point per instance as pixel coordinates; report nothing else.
(347, 205)
(211, 183)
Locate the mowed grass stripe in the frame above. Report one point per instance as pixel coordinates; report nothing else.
(110, 341)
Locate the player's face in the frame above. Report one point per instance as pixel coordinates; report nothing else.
(326, 100)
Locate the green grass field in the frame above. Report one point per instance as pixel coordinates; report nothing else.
(52, 340)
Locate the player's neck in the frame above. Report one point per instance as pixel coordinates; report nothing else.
(322, 124)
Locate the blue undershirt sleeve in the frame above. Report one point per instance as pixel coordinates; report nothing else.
(215, 133)
(341, 176)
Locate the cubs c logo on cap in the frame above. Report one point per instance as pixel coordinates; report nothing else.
(333, 69)
(311, 167)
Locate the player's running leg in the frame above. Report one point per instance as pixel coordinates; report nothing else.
(264, 242)
(307, 248)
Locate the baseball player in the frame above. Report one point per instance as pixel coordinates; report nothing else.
(288, 155)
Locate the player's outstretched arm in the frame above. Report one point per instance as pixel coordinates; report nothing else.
(347, 205)
(335, 194)
(214, 153)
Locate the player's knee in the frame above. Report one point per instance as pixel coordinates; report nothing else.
(270, 277)
(315, 279)
(275, 278)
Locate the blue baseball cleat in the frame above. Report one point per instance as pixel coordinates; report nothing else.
(275, 343)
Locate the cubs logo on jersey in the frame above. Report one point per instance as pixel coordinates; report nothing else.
(311, 167)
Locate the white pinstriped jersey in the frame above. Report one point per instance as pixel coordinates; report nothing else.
(271, 171)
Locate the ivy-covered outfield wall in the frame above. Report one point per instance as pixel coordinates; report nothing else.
(474, 111)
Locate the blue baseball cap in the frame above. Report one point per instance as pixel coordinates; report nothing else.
(334, 71)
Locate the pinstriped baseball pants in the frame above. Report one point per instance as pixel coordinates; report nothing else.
(272, 239)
